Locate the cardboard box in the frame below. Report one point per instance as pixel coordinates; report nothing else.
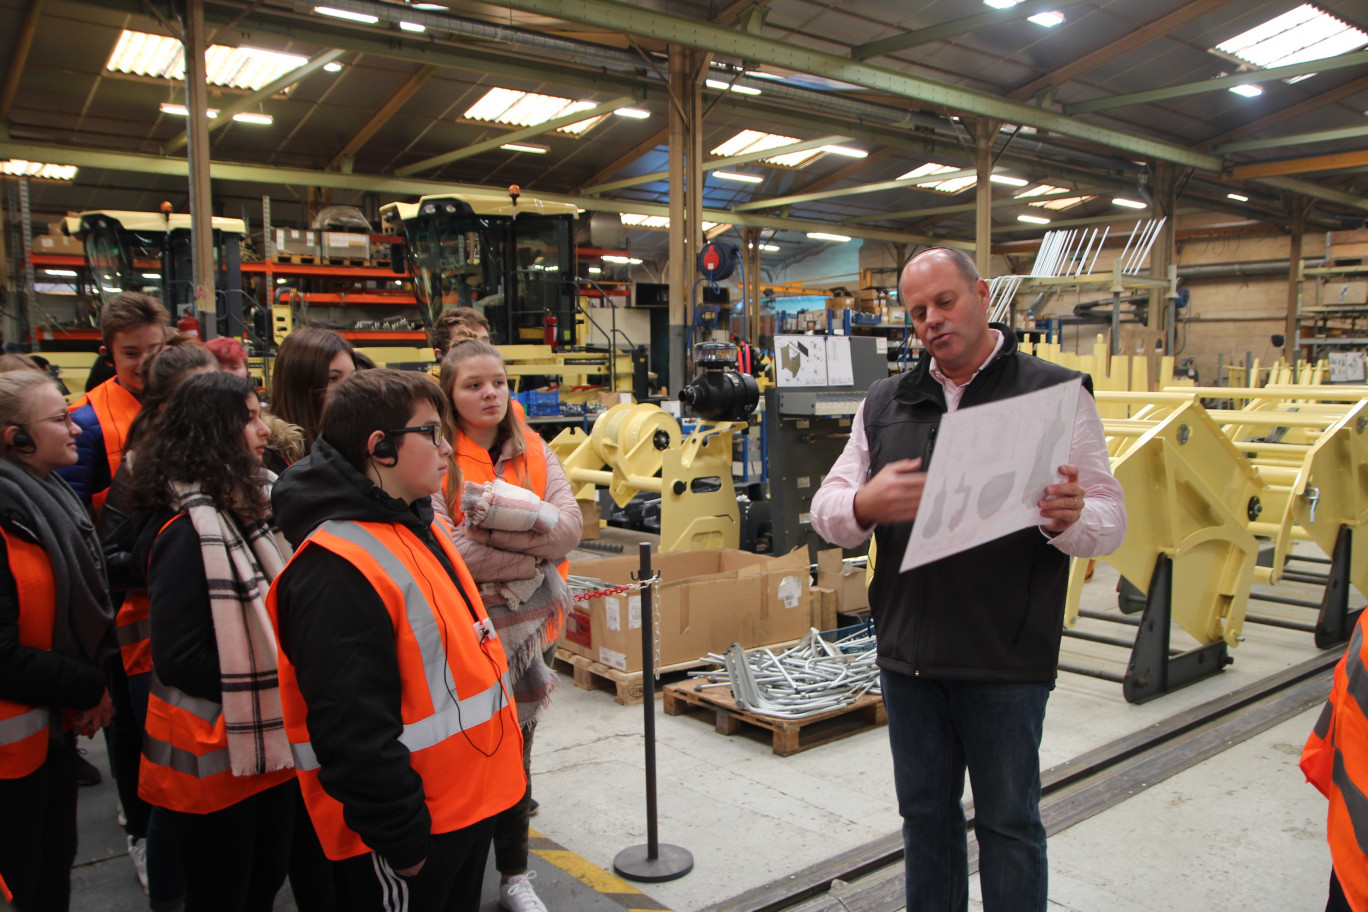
(846, 581)
(608, 398)
(345, 245)
(589, 512)
(840, 303)
(824, 608)
(294, 242)
(708, 600)
(61, 244)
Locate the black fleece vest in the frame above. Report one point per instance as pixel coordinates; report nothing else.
(994, 612)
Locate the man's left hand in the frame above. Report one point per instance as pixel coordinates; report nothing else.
(1063, 502)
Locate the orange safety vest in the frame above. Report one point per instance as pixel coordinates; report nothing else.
(23, 728)
(115, 408)
(185, 765)
(1335, 761)
(5, 893)
(133, 626)
(460, 722)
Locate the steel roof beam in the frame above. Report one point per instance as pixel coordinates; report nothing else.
(226, 115)
(691, 33)
(1300, 165)
(20, 58)
(1108, 52)
(1292, 111)
(1296, 139)
(1253, 77)
(401, 186)
(953, 29)
(716, 163)
(1092, 220)
(546, 126)
(918, 181)
(383, 116)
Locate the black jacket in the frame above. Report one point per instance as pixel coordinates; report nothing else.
(335, 630)
(991, 613)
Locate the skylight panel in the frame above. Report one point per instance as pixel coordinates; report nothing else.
(756, 141)
(1058, 205)
(954, 185)
(16, 167)
(1041, 190)
(661, 222)
(143, 54)
(1297, 36)
(527, 109)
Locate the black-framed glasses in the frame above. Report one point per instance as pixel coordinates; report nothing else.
(433, 431)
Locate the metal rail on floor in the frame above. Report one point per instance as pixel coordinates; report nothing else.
(869, 878)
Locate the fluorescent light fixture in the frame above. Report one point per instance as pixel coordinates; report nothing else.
(1129, 203)
(412, 27)
(769, 248)
(66, 273)
(1033, 219)
(614, 258)
(429, 6)
(1237, 197)
(151, 275)
(536, 148)
(16, 167)
(824, 236)
(1009, 181)
(346, 14)
(247, 117)
(724, 87)
(738, 176)
(1249, 90)
(634, 113)
(1001, 4)
(1297, 36)
(181, 110)
(280, 281)
(595, 270)
(847, 151)
(1047, 20)
(332, 67)
(527, 109)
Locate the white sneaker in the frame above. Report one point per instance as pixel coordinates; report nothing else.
(517, 895)
(137, 853)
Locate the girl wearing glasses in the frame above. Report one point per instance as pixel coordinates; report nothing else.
(56, 630)
(215, 755)
(521, 574)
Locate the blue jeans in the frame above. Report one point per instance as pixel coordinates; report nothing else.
(938, 729)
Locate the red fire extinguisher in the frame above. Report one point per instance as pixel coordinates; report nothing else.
(549, 329)
(188, 325)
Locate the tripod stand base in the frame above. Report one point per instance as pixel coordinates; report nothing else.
(671, 863)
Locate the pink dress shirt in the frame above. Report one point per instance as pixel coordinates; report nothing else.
(1100, 529)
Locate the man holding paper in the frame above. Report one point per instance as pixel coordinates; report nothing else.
(968, 643)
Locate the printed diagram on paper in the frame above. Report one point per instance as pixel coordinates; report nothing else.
(989, 469)
(813, 361)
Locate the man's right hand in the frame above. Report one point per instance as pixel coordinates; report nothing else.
(413, 871)
(893, 495)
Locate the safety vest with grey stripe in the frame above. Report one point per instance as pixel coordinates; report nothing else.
(25, 725)
(450, 715)
(201, 766)
(135, 633)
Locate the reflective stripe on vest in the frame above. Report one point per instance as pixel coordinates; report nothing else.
(115, 408)
(450, 715)
(23, 728)
(133, 628)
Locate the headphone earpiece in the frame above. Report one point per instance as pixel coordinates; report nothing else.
(385, 450)
(23, 441)
(107, 358)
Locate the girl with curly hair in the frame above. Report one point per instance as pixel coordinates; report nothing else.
(215, 754)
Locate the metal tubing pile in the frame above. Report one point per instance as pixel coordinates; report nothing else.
(815, 676)
(1064, 253)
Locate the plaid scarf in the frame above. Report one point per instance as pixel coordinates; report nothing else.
(239, 566)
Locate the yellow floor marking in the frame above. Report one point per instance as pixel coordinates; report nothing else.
(590, 875)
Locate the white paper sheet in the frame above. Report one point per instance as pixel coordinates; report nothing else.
(989, 469)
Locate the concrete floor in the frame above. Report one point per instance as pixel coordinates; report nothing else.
(1240, 831)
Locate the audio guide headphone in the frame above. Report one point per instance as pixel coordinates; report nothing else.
(106, 356)
(385, 450)
(23, 441)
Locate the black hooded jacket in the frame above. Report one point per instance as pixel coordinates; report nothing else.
(335, 630)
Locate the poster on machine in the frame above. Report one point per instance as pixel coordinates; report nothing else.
(989, 470)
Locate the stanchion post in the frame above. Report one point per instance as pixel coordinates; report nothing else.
(652, 862)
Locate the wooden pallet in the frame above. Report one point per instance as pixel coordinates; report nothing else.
(345, 261)
(627, 685)
(788, 736)
(296, 259)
